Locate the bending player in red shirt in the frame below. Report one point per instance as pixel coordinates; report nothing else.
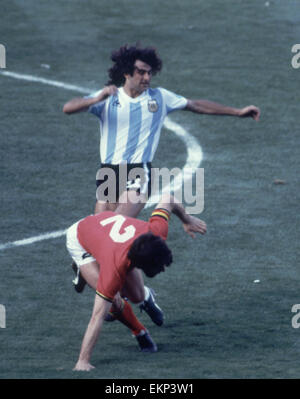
(123, 247)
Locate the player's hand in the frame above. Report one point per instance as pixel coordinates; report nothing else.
(194, 225)
(251, 111)
(83, 366)
(108, 91)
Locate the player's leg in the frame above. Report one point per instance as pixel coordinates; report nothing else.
(102, 206)
(90, 273)
(122, 311)
(81, 259)
(107, 192)
(131, 203)
(137, 189)
(135, 290)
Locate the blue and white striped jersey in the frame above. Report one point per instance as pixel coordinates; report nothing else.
(130, 127)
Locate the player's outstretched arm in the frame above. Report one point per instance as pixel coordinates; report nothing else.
(80, 104)
(101, 308)
(191, 224)
(210, 107)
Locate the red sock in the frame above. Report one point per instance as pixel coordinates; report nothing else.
(128, 318)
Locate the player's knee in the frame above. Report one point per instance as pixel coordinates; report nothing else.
(117, 303)
(138, 296)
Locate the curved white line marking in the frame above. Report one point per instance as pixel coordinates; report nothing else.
(194, 153)
(55, 83)
(194, 158)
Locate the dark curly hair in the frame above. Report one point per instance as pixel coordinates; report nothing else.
(124, 59)
(150, 253)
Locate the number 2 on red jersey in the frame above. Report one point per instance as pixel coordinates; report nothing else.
(115, 235)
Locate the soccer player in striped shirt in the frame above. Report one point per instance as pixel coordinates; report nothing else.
(131, 115)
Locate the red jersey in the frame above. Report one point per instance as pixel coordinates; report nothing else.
(108, 237)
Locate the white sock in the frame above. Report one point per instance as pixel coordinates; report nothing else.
(142, 332)
(147, 293)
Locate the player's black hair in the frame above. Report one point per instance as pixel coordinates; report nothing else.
(124, 59)
(150, 253)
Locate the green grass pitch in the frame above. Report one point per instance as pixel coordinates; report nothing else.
(219, 323)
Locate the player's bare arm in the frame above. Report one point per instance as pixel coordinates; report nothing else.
(191, 224)
(212, 108)
(80, 104)
(101, 308)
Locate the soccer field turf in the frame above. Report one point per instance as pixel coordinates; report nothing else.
(228, 295)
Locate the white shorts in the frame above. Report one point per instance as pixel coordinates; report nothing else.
(77, 252)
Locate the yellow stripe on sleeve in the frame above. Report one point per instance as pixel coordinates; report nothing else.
(162, 213)
(104, 297)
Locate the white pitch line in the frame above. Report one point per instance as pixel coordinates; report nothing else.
(194, 150)
(37, 79)
(31, 240)
(194, 158)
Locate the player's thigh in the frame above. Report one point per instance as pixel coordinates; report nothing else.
(107, 182)
(133, 288)
(102, 206)
(118, 302)
(90, 272)
(131, 203)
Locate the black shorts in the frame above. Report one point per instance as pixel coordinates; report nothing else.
(113, 180)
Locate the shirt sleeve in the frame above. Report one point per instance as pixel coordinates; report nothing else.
(97, 108)
(159, 222)
(173, 101)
